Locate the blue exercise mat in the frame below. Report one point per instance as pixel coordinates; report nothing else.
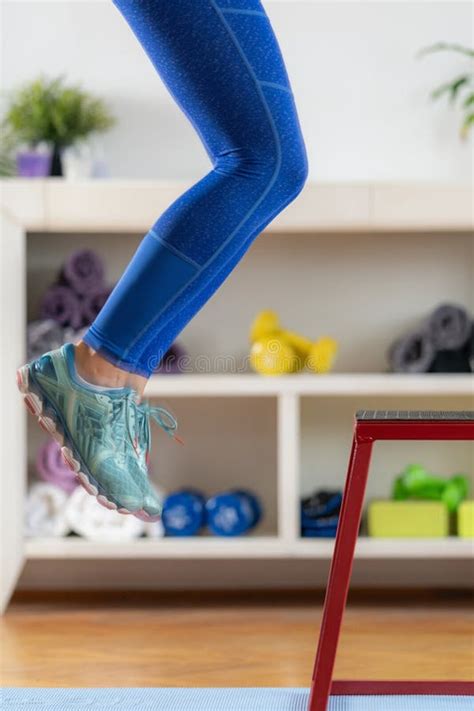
(263, 699)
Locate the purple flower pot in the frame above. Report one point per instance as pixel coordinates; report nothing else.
(33, 164)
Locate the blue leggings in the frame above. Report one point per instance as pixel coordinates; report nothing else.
(221, 62)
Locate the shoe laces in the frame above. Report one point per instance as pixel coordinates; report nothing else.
(123, 413)
(163, 419)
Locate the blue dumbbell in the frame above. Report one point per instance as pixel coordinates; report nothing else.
(326, 532)
(232, 513)
(317, 523)
(254, 503)
(184, 513)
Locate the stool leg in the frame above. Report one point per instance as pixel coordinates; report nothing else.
(340, 574)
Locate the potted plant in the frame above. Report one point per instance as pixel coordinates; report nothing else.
(49, 112)
(7, 155)
(461, 88)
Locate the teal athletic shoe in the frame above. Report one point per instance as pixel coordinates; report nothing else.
(104, 433)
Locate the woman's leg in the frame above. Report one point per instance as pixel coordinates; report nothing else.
(221, 62)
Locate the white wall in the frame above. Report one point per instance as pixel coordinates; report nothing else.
(362, 95)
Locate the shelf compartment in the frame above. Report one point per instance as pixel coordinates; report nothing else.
(326, 434)
(230, 443)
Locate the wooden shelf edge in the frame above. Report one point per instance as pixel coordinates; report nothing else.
(119, 205)
(270, 547)
(337, 384)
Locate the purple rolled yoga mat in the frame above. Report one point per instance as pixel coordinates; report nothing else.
(52, 468)
(83, 271)
(92, 303)
(62, 305)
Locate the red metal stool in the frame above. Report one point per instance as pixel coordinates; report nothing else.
(369, 427)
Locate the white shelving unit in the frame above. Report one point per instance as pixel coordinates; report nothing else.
(256, 547)
(34, 213)
(334, 385)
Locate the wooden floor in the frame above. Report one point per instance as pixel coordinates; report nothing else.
(215, 642)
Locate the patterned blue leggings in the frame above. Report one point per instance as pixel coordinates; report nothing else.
(221, 62)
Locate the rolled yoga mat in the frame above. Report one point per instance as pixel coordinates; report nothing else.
(51, 467)
(449, 327)
(245, 699)
(47, 335)
(62, 305)
(83, 271)
(459, 361)
(413, 353)
(92, 303)
(43, 336)
(89, 519)
(45, 511)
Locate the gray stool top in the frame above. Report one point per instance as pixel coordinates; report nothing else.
(437, 415)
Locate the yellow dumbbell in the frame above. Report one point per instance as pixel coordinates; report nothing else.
(273, 343)
(272, 355)
(267, 323)
(321, 355)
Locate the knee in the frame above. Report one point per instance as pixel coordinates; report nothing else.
(294, 171)
(252, 163)
(285, 167)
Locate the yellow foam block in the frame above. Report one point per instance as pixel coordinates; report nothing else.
(408, 519)
(466, 519)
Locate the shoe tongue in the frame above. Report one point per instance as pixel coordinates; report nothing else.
(120, 393)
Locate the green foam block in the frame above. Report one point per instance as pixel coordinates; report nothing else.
(408, 519)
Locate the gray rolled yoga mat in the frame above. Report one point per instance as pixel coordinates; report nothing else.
(413, 353)
(449, 327)
(43, 336)
(47, 335)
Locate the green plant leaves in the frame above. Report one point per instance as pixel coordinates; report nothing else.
(457, 86)
(468, 101)
(451, 88)
(447, 47)
(49, 110)
(468, 123)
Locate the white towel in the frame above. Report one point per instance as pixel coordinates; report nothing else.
(45, 511)
(155, 530)
(89, 519)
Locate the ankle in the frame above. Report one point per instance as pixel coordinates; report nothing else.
(96, 370)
